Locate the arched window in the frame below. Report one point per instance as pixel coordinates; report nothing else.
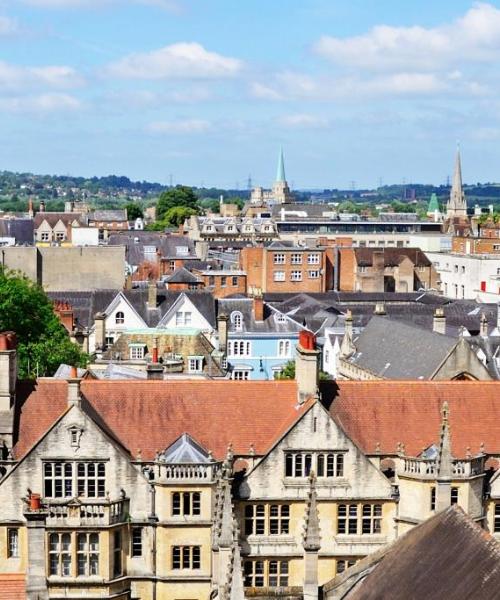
(237, 320)
(120, 318)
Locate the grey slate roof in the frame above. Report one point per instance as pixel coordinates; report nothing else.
(182, 275)
(244, 305)
(396, 350)
(185, 450)
(20, 229)
(167, 246)
(108, 215)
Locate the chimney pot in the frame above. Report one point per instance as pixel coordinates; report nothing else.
(380, 308)
(439, 321)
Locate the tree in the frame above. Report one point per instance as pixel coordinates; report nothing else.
(134, 211)
(43, 343)
(177, 215)
(180, 195)
(288, 372)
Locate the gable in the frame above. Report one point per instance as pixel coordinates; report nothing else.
(184, 304)
(316, 432)
(132, 318)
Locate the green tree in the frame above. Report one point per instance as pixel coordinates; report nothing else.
(134, 211)
(177, 215)
(43, 343)
(288, 372)
(180, 195)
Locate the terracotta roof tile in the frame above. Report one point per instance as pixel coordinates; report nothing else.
(150, 415)
(12, 586)
(390, 412)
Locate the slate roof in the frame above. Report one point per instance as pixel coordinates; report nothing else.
(185, 450)
(182, 275)
(151, 415)
(446, 557)
(20, 229)
(53, 218)
(383, 414)
(108, 215)
(396, 350)
(244, 305)
(166, 245)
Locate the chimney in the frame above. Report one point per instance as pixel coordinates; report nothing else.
(74, 396)
(152, 290)
(154, 372)
(222, 325)
(42, 206)
(155, 350)
(379, 309)
(65, 313)
(348, 322)
(31, 210)
(307, 366)
(8, 370)
(483, 326)
(258, 305)
(100, 331)
(439, 321)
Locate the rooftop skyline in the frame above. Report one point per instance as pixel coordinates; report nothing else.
(207, 93)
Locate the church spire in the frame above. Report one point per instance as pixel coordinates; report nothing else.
(280, 173)
(457, 205)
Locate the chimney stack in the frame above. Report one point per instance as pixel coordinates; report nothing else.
(439, 321)
(42, 206)
(258, 304)
(100, 331)
(152, 291)
(307, 366)
(74, 396)
(379, 309)
(8, 370)
(483, 326)
(222, 327)
(154, 372)
(31, 210)
(155, 350)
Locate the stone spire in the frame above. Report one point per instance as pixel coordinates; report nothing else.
(280, 173)
(444, 463)
(312, 540)
(457, 205)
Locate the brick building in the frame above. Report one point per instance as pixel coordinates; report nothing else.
(489, 244)
(287, 267)
(385, 270)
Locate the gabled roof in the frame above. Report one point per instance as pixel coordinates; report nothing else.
(185, 450)
(392, 256)
(182, 275)
(446, 557)
(379, 415)
(243, 305)
(395, 350)
(151, 415)
(108, 215)
(53, 218)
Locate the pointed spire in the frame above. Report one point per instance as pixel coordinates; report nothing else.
(457, 175)
(312, 541)
(280, 173)
(457, 205)
(444, 466)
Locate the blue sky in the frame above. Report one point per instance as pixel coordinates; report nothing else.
(206, 91)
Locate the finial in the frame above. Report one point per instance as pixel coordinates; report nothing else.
(445, 412)
(139, 454)
(377, 448)
(251, 452)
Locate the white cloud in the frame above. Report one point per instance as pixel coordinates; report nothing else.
(14, 77)
(303, 121)
(186, 60)
(475, 37)
(41, 104)
(179, 126)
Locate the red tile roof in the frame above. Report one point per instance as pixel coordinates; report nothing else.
(150, 415)
(386, 413)
(12, 586)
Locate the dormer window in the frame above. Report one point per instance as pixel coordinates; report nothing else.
(120, 318)
(237, 320)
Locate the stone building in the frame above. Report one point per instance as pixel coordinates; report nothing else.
(191, 489)
(280, 192)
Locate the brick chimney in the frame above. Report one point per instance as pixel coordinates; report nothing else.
(8, 370)
(65, 312)
(74, 396)
(100, 331)
(258, 305)
(307, 366)
(31, 210)
(439, 321)
(152, 291)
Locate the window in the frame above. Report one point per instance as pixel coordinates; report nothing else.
(91, 480)
(240, 374)
(211, 280)
(44, 236)
(313, 259)
(296, 276)
(186, 503)
(171, 265)
(60, 554)
(261, 519)
(350, 523)
(87, 554)
(223, 281)
(454, 495)
(284, 348)
(279, 259)
(13, 542)
(496, 519)
(268, 573)
(185, 557)
(343, 564)
(456, 268)
(462, 287)
(60, 236)
(136, 352)
(195, 364)
(61, 479)
(279, 275)
(237, 320)
(296, 259)
(183, 318)
(313, 274)
(109, 341)
(463, 270)
(136, 541)
(117, 553)
(239, 348)
(234, 281)
(433, 498)
(120, 318)
(362, 269)
(325, 464)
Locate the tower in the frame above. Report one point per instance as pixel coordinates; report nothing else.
(457, 204)
(281, 191)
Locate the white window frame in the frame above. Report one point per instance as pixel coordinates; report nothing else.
(240, 375)
(279, 276)
(239, 348)
(279, 259)
(195, 364)
(87, 554)
(119, 317)
(284, 348)
(183, 318)
(313, 274)
(296, 276)
(136, 352)
(314, 259)
(296, 258)
(237, 320)
(44, 236)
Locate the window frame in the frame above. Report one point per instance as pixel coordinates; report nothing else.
(119, 318)
(12, 542)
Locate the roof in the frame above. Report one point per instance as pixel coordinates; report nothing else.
(182, 275)
(447, 556)
(185, 450)
(392, 256)
(379, 415)
(152, 415)
(108, 215)
(12, 586)
(140, 243)
(53, 218)
(243, 305)
(397, 350)
(20, 229)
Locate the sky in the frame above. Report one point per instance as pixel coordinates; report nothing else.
(204, 92)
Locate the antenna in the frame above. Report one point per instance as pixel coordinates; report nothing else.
(249, 182)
